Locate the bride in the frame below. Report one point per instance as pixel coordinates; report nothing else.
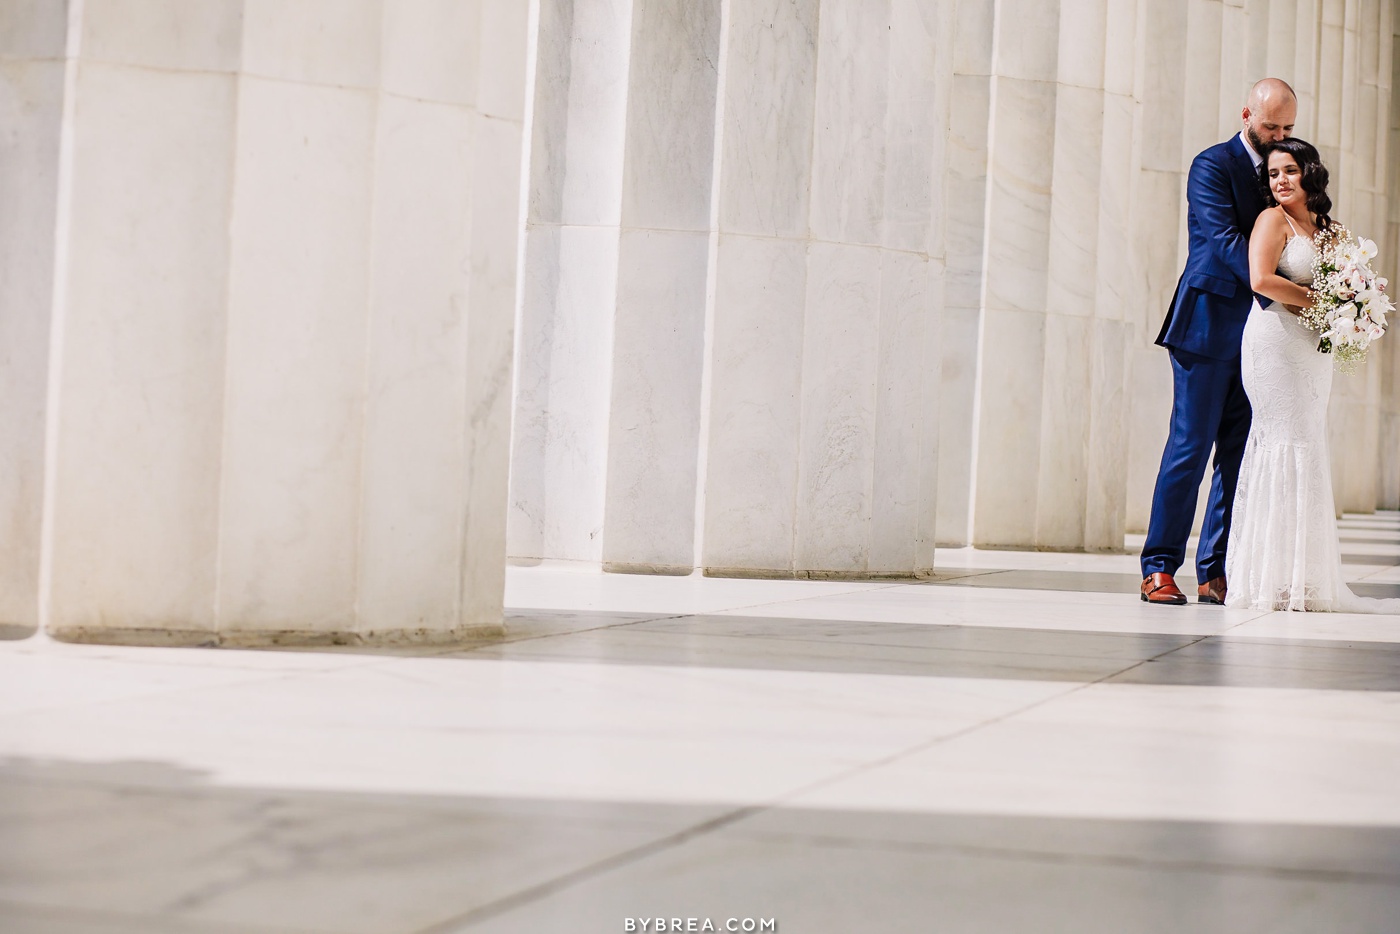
(1283, 552)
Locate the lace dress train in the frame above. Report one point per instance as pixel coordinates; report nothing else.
(1283, 552)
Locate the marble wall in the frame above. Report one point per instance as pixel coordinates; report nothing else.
(940, 238)
(281, 348)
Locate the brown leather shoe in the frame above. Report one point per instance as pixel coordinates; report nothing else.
(1161, 588)
(1212, 591)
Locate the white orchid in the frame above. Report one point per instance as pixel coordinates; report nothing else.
(1347, 310)
(1368, 249)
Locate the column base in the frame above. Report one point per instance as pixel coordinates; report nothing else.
(810, 575)
(283, 638)
(664, 570)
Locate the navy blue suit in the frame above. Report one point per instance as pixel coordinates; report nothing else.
(1202, 332)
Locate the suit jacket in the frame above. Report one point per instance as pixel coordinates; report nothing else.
(1213, 296)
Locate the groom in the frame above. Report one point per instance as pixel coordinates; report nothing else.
(1202, 333)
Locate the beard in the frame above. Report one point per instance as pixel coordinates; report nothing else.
(1254, 139)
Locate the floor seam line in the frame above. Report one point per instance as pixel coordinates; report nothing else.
(584, 873)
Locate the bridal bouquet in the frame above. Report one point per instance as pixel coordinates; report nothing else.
(1351, 304)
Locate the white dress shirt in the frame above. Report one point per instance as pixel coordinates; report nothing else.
(1254, 157)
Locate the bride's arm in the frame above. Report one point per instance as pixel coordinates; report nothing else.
(1266, 245)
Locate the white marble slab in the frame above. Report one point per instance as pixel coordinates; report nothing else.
(566, 732)
(848, 165)
(1062, 491)
(298, 308)
(330, 42)
(1151, 752)
(431, 50)
(169, 34)
(840, 361)
(989, 607)
(755, 403)
(904, 493)
(565, 585)
(563, 392)
(415, 410)
(496, 230)
(672, 81)
(33, 29)
(31, 101)
(654, 417)
(136, 498)
(1009, 406)
(766, 140)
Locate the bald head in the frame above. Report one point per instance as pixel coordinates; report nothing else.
(1268, 91)
(1269, 112)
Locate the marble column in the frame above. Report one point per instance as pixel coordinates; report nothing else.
(1158, 242)
(764, 144)
(1390, 415)
(653, 434)
(1235, 55)
(558, 471)
(1076, 146)
(824, 370)
(1305, 68)
(1354, 413)
(1118, 285)
(965, 185)
(612, 319)
(33, 53)
(1009, 434)
(284, 370)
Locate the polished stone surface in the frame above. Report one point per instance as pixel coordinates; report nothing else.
(1016, 745)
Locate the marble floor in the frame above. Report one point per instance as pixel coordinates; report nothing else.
(1017, 746)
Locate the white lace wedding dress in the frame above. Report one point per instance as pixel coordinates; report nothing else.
(1283, 552)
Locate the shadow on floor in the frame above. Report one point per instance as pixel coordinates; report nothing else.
(123, 847)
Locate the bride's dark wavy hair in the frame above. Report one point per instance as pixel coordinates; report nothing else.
(1313, 179)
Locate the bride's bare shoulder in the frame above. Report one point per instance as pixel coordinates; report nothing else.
(1270, 220)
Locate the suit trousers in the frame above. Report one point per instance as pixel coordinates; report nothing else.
(1209, 410)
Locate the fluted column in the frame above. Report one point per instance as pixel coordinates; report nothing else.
(1071, 295)
(1158, 242)
(1117, 288)
(760, 283)
(558, 468)
(824, 374)
(1236, 30)
(653, 425)
(1276, 39)
(1011, 378)
(281, 405)
(1306, 66)
(1354, 414)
